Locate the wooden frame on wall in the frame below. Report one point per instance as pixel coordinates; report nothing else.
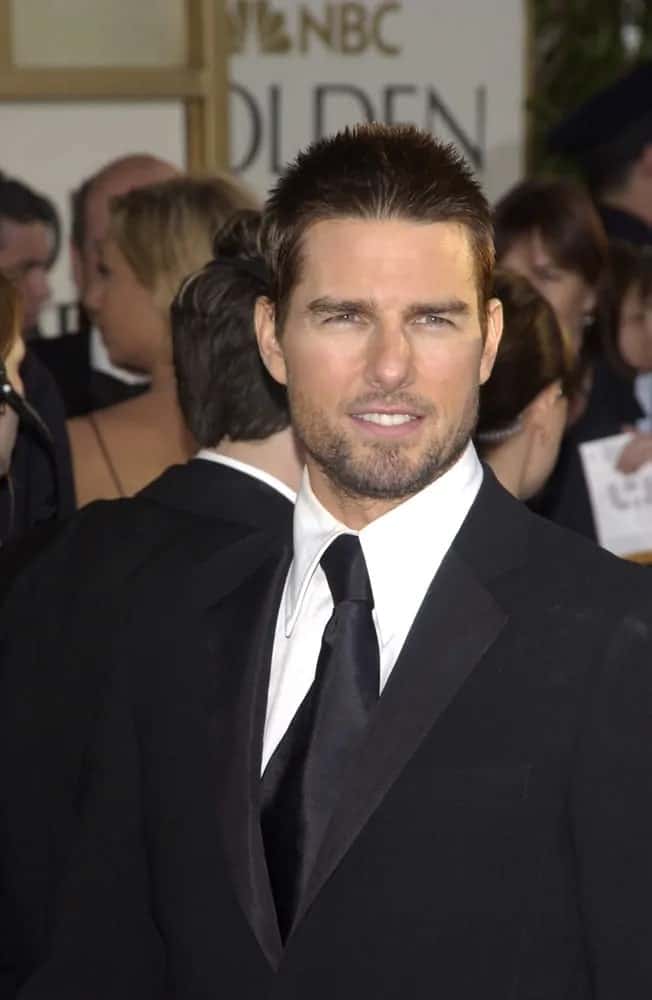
(201, 84)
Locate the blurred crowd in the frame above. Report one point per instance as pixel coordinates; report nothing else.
(102, 415)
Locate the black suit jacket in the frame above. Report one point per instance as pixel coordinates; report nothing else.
(68, 359)
(492, 838)
(57, 630)
(40, 486)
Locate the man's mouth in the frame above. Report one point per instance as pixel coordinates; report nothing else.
(386, 419)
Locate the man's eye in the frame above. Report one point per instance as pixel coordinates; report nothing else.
(432, 319)
(343, 317)
(103, 270)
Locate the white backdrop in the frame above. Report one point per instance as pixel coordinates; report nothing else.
(302, 69)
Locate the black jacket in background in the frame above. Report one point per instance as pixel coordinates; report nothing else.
(612, 405)
(620, 225)
(82, 389)
(57, 629)
(39, 487)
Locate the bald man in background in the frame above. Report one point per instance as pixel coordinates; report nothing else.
(86, 378)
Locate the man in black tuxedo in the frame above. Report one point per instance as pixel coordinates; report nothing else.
(409, 757)
(39, 487)
(78, 361)
(57, 625)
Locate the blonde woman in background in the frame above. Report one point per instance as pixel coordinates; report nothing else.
(157, 236)
(12, 352)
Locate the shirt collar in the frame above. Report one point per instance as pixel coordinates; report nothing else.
(404, 547)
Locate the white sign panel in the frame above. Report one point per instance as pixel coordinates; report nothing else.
(301, 70)
(621, 504)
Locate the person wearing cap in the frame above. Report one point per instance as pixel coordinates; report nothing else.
(610, 138)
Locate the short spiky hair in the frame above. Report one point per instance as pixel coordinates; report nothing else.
(373, 172)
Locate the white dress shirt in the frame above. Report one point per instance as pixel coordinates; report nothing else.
(403, 550)
(249, 470)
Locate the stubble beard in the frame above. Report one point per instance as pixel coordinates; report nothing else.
(380, 470)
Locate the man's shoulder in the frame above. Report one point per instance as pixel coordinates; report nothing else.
(108, 541)
(532, 560)
(579, 571)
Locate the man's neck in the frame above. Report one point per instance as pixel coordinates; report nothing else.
(276, 455)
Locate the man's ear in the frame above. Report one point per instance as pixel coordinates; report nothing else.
(494, 331)
(268, 343)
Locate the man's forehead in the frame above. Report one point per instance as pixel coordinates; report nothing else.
(346, 247)
(440, 235)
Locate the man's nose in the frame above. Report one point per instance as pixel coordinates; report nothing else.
(389, 361)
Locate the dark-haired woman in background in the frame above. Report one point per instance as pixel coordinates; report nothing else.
(524, 405)
(622, 384)
(548, 230)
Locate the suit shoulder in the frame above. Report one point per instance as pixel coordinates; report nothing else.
(579, 565)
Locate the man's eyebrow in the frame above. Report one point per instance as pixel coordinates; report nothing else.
(448, 307)
(326, 304)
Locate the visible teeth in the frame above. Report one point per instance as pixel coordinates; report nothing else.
(386, 419)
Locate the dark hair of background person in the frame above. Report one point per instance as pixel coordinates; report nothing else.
(533, 354)
(372, 172)
(562, 212)
(224, 389)
(11, 318)
(607, 166)
(22, 205)
(627, 269)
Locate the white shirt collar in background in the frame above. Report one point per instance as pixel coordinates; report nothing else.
(100, 361)
(249, 470)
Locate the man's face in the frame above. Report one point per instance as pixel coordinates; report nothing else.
(382, 353)
(25, 258)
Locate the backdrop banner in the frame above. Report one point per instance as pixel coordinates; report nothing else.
(302, 70)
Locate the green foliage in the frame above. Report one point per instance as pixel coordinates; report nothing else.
(578, 47)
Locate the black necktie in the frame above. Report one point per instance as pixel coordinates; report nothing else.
(303, 778)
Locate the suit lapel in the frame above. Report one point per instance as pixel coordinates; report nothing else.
(458, 622)
(242, 626)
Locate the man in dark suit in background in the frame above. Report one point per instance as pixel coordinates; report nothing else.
(39, 486)
(409, 757)
(610, 139)
(78, 361)
(58, 623)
